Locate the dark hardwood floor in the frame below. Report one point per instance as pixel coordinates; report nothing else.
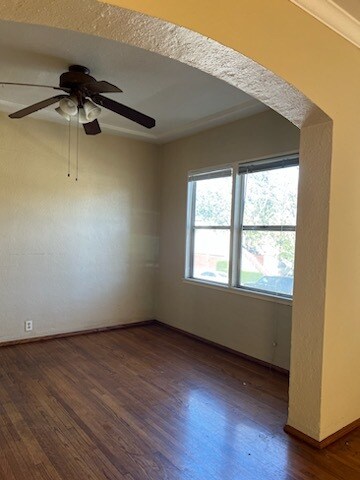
(150, 403)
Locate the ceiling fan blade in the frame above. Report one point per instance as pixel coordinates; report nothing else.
(92, 128)
(37, 106)
(125, 111)
(102, 87)
(32, 85)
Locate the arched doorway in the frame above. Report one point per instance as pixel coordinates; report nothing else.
(200, 52)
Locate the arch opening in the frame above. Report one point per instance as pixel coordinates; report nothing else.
(195, 50)
(175, 42)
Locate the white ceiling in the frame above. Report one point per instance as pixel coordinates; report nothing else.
(183, 100)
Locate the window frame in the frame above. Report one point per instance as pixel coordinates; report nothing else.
(191, 227)
(238, 172)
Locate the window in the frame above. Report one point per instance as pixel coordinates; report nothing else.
(243, 236)
(210, 202)
(267, 238)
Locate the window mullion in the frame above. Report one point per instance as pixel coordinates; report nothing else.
(189, 267)
(270, 228)
(232, 250)
(212, 227)
(239, 199)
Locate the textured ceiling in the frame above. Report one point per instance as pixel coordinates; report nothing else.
(183, 100)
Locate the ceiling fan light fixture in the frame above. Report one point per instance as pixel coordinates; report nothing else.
(92, 111)
(69, 105)
(80, 98)
(63, 114)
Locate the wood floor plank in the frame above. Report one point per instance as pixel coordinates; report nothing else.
(151, 404)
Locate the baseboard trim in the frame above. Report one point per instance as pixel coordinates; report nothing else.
(144, 323)
(45, 338)
(326, 441)
(281, 370)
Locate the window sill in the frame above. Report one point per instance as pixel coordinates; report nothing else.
(239, 291)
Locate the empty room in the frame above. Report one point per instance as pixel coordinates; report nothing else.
(179, 228)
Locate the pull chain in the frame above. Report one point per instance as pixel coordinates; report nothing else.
(77, 147)
(69, 148)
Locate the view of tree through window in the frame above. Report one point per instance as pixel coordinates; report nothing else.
(268, 232)
(212, 229)
(265, 214)
(213, 202)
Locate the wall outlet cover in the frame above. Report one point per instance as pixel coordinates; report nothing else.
(28, 325)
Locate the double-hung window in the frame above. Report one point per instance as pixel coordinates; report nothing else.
(209, 225)
(242, 226)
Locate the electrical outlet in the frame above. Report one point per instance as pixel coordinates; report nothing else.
(28, 325)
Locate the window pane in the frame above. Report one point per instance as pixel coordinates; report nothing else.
(213, 202)
(267, 261)
(271, 197)
(211, 255)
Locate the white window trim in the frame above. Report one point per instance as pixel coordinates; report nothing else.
(267, 297)
(237, 210)
(190, 223)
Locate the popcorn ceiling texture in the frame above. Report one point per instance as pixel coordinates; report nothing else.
(172, 41)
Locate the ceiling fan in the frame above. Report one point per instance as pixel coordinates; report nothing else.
(82, 97)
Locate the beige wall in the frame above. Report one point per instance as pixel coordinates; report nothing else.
(75, 255)
(326, 68)
(310, 269)
(241, 322)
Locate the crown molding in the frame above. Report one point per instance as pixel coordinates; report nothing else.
(333, 16)
(245, 109)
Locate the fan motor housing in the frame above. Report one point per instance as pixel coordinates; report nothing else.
(76, 77)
